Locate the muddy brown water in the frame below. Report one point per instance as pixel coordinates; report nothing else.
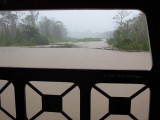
(79, 58)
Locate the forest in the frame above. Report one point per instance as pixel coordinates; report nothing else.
(21, 29)
(131, 34)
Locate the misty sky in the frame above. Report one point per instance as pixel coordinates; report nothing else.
(86, 20)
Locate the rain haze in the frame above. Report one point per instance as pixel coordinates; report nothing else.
(91, 39)
(88, 21)
(76, 39)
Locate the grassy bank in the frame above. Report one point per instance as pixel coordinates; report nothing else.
(67, 45)
(87, 40)
(75, 40)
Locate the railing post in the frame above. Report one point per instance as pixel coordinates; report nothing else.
(20, 100)
(85, 103)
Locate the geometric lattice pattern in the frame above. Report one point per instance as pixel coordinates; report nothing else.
(52, 100)
(130, 100)
(61, 100)
(7, 101)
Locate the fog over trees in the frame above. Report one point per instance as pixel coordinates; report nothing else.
(52, 29)
(28, 28)
(15, 30)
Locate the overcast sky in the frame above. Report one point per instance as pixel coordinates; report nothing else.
(86, 20)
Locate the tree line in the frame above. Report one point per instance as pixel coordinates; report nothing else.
(131, 34)
(21, 29)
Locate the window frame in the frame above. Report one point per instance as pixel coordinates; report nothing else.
(85, 79)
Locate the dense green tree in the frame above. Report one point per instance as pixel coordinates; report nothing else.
(21, 28)
(131, 34)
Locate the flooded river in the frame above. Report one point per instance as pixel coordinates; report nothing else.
(88, 56)
(77, 58)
